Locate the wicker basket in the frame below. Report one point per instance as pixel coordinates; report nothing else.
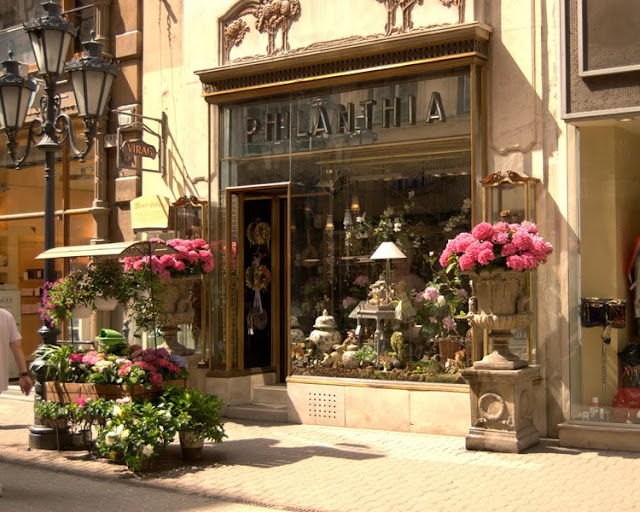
(447, 347)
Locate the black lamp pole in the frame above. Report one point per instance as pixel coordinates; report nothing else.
(91, 78)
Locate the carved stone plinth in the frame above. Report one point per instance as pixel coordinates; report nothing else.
(502, 409)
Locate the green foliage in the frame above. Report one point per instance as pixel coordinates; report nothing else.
(196, 412)
(54, 362)
(50, 410)
(366, 354)
(441, 308)
(135, 432)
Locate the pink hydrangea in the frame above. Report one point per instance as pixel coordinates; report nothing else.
(483, 231)
(155, 379)
(431, 294)
(515, 246)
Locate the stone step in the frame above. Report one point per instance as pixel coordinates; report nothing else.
(270, 394)
(258, 412)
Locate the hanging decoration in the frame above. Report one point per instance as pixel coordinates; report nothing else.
(257, 277)
(259, 233)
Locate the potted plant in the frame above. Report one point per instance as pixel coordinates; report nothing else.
(134, 432)
(441, 308)
(52, 414)
(198, 417)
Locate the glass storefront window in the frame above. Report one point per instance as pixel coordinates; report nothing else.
(320, 181)
(605, 355)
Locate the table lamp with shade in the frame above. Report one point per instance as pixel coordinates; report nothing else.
(388, 251)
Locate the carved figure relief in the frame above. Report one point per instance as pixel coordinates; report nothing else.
(406, 6)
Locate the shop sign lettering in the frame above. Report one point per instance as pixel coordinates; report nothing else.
(138, 147)
(275, 126)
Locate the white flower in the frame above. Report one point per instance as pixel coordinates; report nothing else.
(388, 212)
(110, 438)
(166, 416)
(397, 226)
(147, 450)
(360, 219)
(117, 410)
(124, 434)
(441, 301)
(431, 254)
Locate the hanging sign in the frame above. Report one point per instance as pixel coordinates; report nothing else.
(137, 147)
(150, 212)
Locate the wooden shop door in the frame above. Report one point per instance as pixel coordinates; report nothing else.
(262, 307)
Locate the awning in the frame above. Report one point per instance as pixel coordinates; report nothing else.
(113, 250)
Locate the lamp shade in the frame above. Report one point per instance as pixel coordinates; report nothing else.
(91, 77)
(50, 37)
(388, 251)
(16, 94)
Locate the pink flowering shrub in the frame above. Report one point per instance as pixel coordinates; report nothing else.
(512, 246)
(194, 258)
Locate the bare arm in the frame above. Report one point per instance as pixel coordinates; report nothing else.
(25, 381)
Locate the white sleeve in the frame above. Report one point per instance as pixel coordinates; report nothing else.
(14, 335)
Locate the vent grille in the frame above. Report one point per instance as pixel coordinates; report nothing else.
(323, 405)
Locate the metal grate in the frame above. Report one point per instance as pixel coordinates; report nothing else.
(323, 405)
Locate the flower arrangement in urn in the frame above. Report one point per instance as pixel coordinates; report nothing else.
(441, 307)
(515, 247)
(193, 258)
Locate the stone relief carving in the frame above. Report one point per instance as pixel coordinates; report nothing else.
(234, 33)
(526, 408)
(406, 6)
(493, 412)
(271, 17)
(274, 15)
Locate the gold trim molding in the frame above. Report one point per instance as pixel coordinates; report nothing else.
(366, 59)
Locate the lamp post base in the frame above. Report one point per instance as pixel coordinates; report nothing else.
(44, 438)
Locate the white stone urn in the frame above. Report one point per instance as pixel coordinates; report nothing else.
(176, 310)
(325, 333)
(501, 305)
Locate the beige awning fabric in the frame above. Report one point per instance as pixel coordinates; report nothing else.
(113, 250)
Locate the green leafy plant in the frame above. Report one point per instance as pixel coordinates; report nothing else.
(52, 414)
(196, 412)
(134, 432)
(366, 354)
(59, 362)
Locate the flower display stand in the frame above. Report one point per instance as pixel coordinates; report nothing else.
(502, 409)
(67, 392)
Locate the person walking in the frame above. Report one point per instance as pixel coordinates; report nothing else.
(10, 339)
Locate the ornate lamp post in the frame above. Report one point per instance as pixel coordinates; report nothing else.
(91, 78)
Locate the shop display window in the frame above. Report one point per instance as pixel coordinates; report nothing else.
(605, 343)
(315, 183)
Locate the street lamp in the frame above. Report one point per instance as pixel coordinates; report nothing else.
(91, 79)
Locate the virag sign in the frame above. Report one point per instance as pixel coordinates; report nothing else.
(316, 123)
(137, 147)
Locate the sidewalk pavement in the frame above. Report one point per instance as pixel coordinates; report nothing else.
(315, 468)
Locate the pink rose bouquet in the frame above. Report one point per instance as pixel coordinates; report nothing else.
(511, 246)
(194, 258)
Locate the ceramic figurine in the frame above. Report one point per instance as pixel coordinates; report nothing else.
(349, 357)
(325, 333)
(297, 334)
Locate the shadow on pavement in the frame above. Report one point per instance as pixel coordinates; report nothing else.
(259, 453)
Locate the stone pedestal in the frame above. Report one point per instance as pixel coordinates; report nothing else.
(502, 408)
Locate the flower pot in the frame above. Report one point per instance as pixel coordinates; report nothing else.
(57, 423)
(103, 304)
(192, 448)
